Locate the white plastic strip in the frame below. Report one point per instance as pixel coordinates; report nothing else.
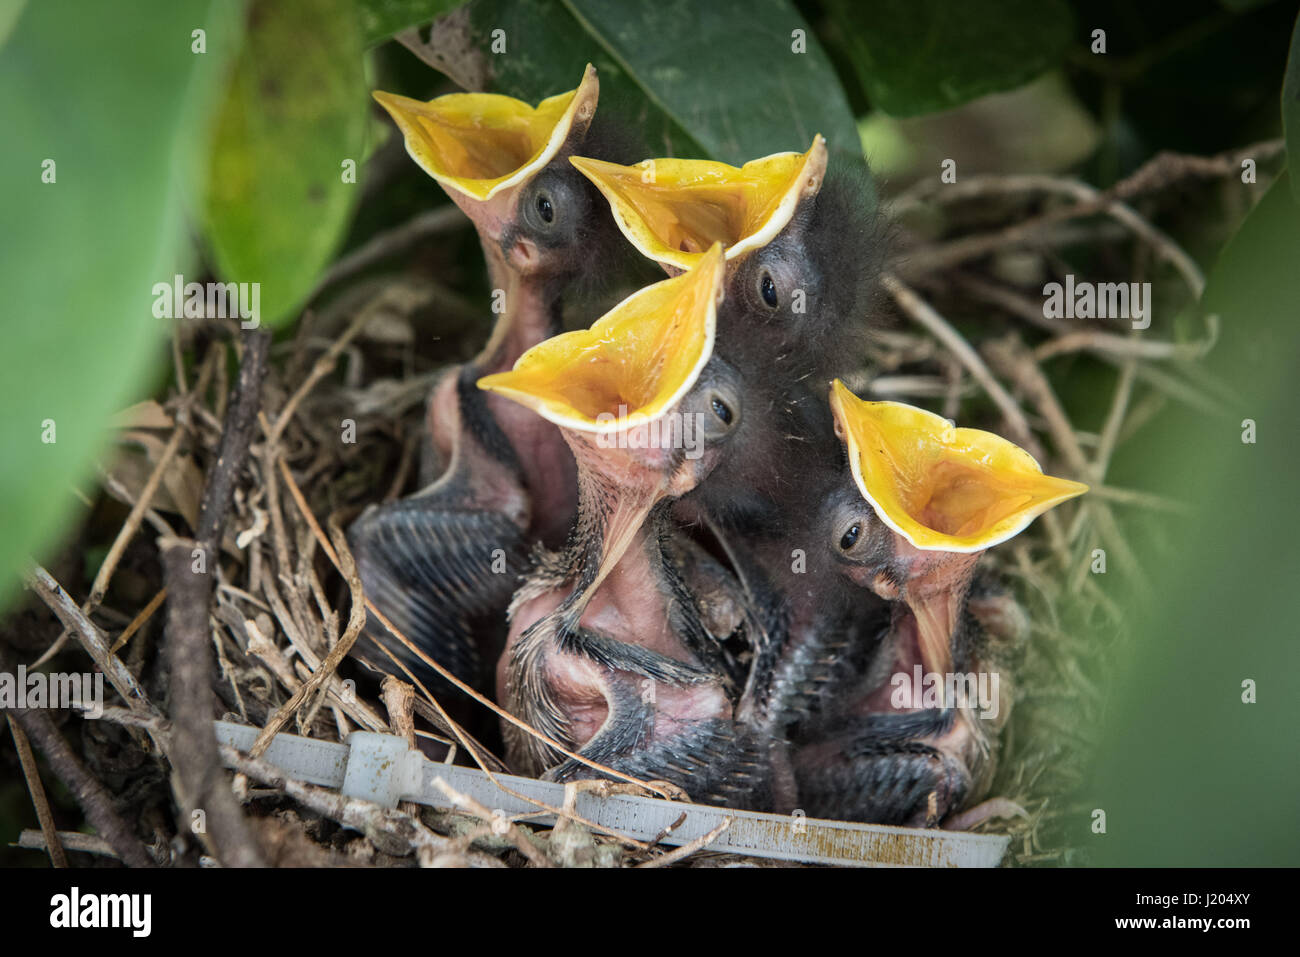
(374, 767)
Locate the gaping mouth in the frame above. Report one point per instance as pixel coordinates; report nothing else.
(632, 366)
(479, 144)
(673, 210)
(940, 487)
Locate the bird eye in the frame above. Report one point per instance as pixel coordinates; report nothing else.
(850, 538)
(767, 288)
(722, 411)
(544, 208)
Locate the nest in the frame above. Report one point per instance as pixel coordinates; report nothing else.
(257, 484)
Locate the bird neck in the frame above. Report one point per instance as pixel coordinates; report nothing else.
(527, 308)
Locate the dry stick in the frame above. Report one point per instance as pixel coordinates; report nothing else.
(138, 621)
(399, 701)
(91, 638)
(37, 790)
(464, 739)
(513, 831)
(1009, 357)
(72, 840)
(925, 314)
(686, 850)
(193, 750)
(1018, 305)
(356, 621)
(1139, 499)
(1160, 171)
(100, 586)
(1088, 201)
(95, 802)
(1114, 419)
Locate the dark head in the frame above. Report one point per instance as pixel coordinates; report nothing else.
(804, 249)
(803, 301)
(506, 164)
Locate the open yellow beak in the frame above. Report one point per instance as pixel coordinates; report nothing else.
(940, 487)
(479, 144)
(673, 210)
(633, 365)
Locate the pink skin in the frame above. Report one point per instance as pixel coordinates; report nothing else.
(930, 601)
(621, 602)
(622, 605)
(547, 464)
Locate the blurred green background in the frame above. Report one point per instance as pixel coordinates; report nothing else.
(212, 139)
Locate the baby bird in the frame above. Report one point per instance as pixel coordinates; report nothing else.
(804, 248)
(615, 646)
(917, 736)
(443, 563)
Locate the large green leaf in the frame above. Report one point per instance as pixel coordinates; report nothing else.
(1291, 108)
(921, 56)
(380, 19)
(118, 104)
(277, 204)
(717, 80)
(1191, 774)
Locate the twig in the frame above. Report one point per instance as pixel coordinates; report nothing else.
(399, 700)
(1114, 419)
(138, 621)
(91, 638)
(193, 751)
(72, 840)
(1009, 356)
(236, 434)
(686, 850)
(90, 794)
(1088, 201)
(37, 791)
(924, 314)
(513, 831)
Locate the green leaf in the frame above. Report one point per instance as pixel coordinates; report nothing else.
(1224, 601)
(380, 19)
(10, 10)
(277, 204)
(921, 56)
(728, 73)
(1291, 107)
(717, 80)
(118, 104)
